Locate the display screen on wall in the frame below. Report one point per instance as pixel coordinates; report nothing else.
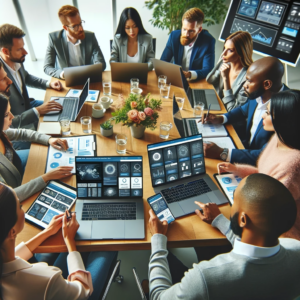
(274, 26)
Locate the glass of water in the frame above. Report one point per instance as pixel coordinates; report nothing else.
(180, 102)
(121, 141)
(106, 88)
(86, 124)
(162, 80)
(165, 128)
(165, 91)
(134, 83)
(198, 110)
(65, 125)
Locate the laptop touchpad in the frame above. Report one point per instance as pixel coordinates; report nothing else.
(114, 229)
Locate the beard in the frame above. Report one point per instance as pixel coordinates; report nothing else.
(17, 60)
(6, 92)
(78, 35)
(186, 40)
(234, 225)
(258, 93)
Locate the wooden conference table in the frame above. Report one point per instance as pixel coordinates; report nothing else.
(188, 231)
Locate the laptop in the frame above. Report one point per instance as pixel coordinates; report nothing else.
(177, 171)
(206, 96)
(123, 72)
(79, 75)
(110, 197)
(71, 106)
(170, 70)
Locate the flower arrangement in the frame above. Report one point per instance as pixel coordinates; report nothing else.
(137, 110)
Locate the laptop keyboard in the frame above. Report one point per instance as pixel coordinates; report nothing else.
(193, 127)
(199, 96)
(109, 211)
(185, 191)
(68, 108)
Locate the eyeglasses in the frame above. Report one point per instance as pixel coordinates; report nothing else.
(76, 27)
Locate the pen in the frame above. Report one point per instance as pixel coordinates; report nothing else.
(207, 112)
(69, 215)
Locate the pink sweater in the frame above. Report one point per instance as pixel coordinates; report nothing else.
(284, 165)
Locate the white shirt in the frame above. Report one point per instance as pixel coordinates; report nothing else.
(187, 52)
(75, 57)
(133, 59)
(254, 251)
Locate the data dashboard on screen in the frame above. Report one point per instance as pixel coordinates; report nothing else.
(274, 26)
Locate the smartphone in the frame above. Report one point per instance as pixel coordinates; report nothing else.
(161, 208)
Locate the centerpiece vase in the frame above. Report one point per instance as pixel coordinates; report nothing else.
(137, 131)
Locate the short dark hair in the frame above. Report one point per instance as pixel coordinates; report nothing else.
(127, 14)
(7, 33)
(272, 201)
(284, 110)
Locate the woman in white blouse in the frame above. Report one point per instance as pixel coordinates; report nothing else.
(132, 43)
(22, 280)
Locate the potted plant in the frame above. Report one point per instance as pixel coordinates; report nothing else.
(138, 113)
(106, 128)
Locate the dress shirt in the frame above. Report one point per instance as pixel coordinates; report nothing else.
(133, 59)
(187, 52)
(259, 111)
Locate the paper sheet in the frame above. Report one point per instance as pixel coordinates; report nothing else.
(78, 146)
(211, 130)
(92, 97)
(223, 142)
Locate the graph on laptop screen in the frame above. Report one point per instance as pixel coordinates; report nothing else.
(176, 159)
(109, 177)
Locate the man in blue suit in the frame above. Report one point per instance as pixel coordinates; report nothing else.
(263, 80)
(191, 47)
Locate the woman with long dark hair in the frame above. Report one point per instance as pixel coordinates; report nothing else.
(12, 163)
(67, 279)
(132, 43)
(281, 157)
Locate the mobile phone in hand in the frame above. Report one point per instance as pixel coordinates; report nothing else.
(161, 208)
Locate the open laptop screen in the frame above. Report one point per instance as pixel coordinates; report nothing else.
(176, 159)
(109, 177)
(84, 94)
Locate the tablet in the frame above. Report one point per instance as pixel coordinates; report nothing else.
(55, 198)
(228, 183)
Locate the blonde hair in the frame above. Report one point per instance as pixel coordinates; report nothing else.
(67, 11)
(243, 44)
(194, 14)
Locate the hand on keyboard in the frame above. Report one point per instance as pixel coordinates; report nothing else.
(209, 211)
(50, 106)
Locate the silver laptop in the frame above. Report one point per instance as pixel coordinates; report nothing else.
(170, 70)
(206, 96)
(71, 106)
(109, 197)
(79, 75)
(177, 171)
(123, 72)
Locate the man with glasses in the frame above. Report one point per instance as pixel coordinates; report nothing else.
(72, 46)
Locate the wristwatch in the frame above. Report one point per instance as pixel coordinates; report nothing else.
(224, 154)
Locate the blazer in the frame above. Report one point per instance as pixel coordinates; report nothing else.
(57, 53)
(25, 117)
(22, 280)
(9, 172)
(233, 97)
(203, 54)
(260, 139)
(146, 52)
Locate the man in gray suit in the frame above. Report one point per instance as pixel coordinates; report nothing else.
(71, 46)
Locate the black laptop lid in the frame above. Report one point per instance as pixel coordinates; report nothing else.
(83, 96)
(109, 177)
(178, 118)
(176, 159)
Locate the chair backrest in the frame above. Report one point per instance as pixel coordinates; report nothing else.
(113, 275)
(139, 285)
(110, 44)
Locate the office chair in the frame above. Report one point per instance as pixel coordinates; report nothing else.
(139, 285)
(114, 276)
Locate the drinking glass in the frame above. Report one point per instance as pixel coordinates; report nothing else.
(65, 125)
(198, 110)
(106, 88)
(86, 124)
(134, 83)
(165, 91)
(180, 102)
(165, 128)
(162, 80)
(121, 141)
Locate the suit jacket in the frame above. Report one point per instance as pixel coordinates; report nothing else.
(10, 174)
(25, 117)
(260, 139)
(57, 53)
(203, 53)
(146, 52)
